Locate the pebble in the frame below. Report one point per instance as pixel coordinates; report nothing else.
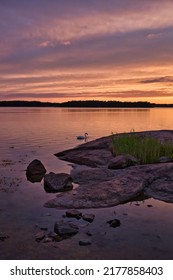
(65, 229)
(73, 214)
(47, 240)
(58, 238)
(3, 236)
(84, 242)
(42, 227)
(48, 214)
(39, 236)
(88, 217)
(114, 223)
(89, 233)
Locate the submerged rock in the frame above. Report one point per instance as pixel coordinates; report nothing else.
(65, 229)
(3, 236)
(84, 242)
(39, 236)
(114, 223)
(52, 236)
(73, 214)
(47, 240)
(88, 217)
(89, 233)
(35, 178)
(60, 182)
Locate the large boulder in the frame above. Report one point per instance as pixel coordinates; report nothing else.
(122, 161)
(92, 156)
(60, 182)
(122, 185)
(35, 171)
(96, 193)
(35, 167)
(161, 186)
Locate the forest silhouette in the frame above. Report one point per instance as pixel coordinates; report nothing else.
(83, 104)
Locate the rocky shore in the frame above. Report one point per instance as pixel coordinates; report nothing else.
(83, 228)
(105, 180)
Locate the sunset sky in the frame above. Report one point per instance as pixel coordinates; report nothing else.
(60, 50)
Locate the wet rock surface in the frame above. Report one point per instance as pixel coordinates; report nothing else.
(88, 217)
(87, 157)
(35, 178)
(35, 167)
(9, 184)
(39, 236)
(73, 214)
(84, 242)
(100, 186)
(35, 171)
(60, 182)
(3, 236)
(120, 188)
(114, 223)
(122, 161)
(65, 229)
(164, 159)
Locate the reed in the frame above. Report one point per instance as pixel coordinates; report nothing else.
(145, 149)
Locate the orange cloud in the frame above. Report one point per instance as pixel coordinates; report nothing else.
(66, 50)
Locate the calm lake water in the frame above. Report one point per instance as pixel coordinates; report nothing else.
(29, 133)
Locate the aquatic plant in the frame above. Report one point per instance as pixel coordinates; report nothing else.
(145, 149)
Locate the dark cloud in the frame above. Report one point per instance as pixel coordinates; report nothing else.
(36, 95)
(166, 79)
(141, 94)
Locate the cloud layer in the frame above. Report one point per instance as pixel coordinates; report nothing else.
(64, 50)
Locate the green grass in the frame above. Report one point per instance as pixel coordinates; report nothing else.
(145, 149)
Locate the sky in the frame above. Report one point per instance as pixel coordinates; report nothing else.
(61, 50)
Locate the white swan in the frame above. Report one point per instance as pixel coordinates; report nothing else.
(82, 137)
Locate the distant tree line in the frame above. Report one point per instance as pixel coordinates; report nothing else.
(106, 104)
(83, 104)
(18, 103)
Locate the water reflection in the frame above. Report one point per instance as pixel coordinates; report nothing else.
(40, 133)
(34, 178)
